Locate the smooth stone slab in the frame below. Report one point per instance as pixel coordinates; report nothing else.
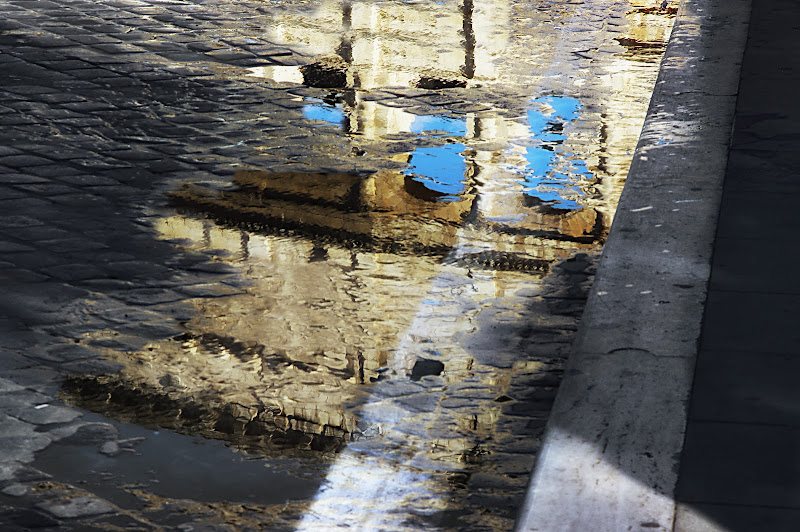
(768, 216)
(756, 265)
(755, 322)
(741, 464)
(734, 386)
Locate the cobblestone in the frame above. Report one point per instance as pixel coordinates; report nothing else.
(77, 507)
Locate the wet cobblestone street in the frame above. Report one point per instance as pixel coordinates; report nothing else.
(299, 265)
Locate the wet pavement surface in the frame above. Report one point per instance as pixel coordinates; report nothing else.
(267, 265)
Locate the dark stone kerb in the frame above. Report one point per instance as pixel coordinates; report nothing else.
(610, 456)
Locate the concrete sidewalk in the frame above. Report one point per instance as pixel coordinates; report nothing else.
(740, 468)
(614, 457)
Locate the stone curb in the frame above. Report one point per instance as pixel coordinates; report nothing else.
(612, 448)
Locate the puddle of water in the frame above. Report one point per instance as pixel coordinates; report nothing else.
(409, 283)
(176, 466)
(325, 113)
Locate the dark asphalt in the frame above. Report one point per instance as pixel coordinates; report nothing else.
(741, 467)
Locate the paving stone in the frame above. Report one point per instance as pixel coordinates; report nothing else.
(22, 448)
(46, 414)
(10, 360)
(19, 221)
(84, 506)
(16, 490)
(209, 290)
(73, 246)
(93, 433)
(14, 402)
(735, 260)
(7, 385)
(94, 366)
(74, 272)
(418, 403)
(743, 387)
(11, 247)
(23, 161)
(49, 189)
(122, 522)
(56, 171)
(16, 178)
(9, 469)
(42, 379)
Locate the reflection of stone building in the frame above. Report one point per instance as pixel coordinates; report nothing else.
(356, 48)
(340, 264)
(338, 267)
(391, 44)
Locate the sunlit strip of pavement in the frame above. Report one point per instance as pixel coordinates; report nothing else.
(614, 438)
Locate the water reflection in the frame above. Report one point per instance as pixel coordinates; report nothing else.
(409, 287)
(551, 176)
(325, 113)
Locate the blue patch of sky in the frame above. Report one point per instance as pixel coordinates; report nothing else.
(440, 169)
(541, 180)
(324, 112)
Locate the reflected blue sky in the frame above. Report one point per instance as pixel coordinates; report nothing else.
(319, 110)
(440, 169)
(551, 175)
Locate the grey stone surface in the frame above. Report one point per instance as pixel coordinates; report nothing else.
(87, 433)
(759, 206)
(736, 260)
(44, 413)
(21, 447)
(103, 116)
(16, 490)
(17, 471)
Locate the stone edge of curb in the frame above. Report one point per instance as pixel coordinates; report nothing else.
(611, 450)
